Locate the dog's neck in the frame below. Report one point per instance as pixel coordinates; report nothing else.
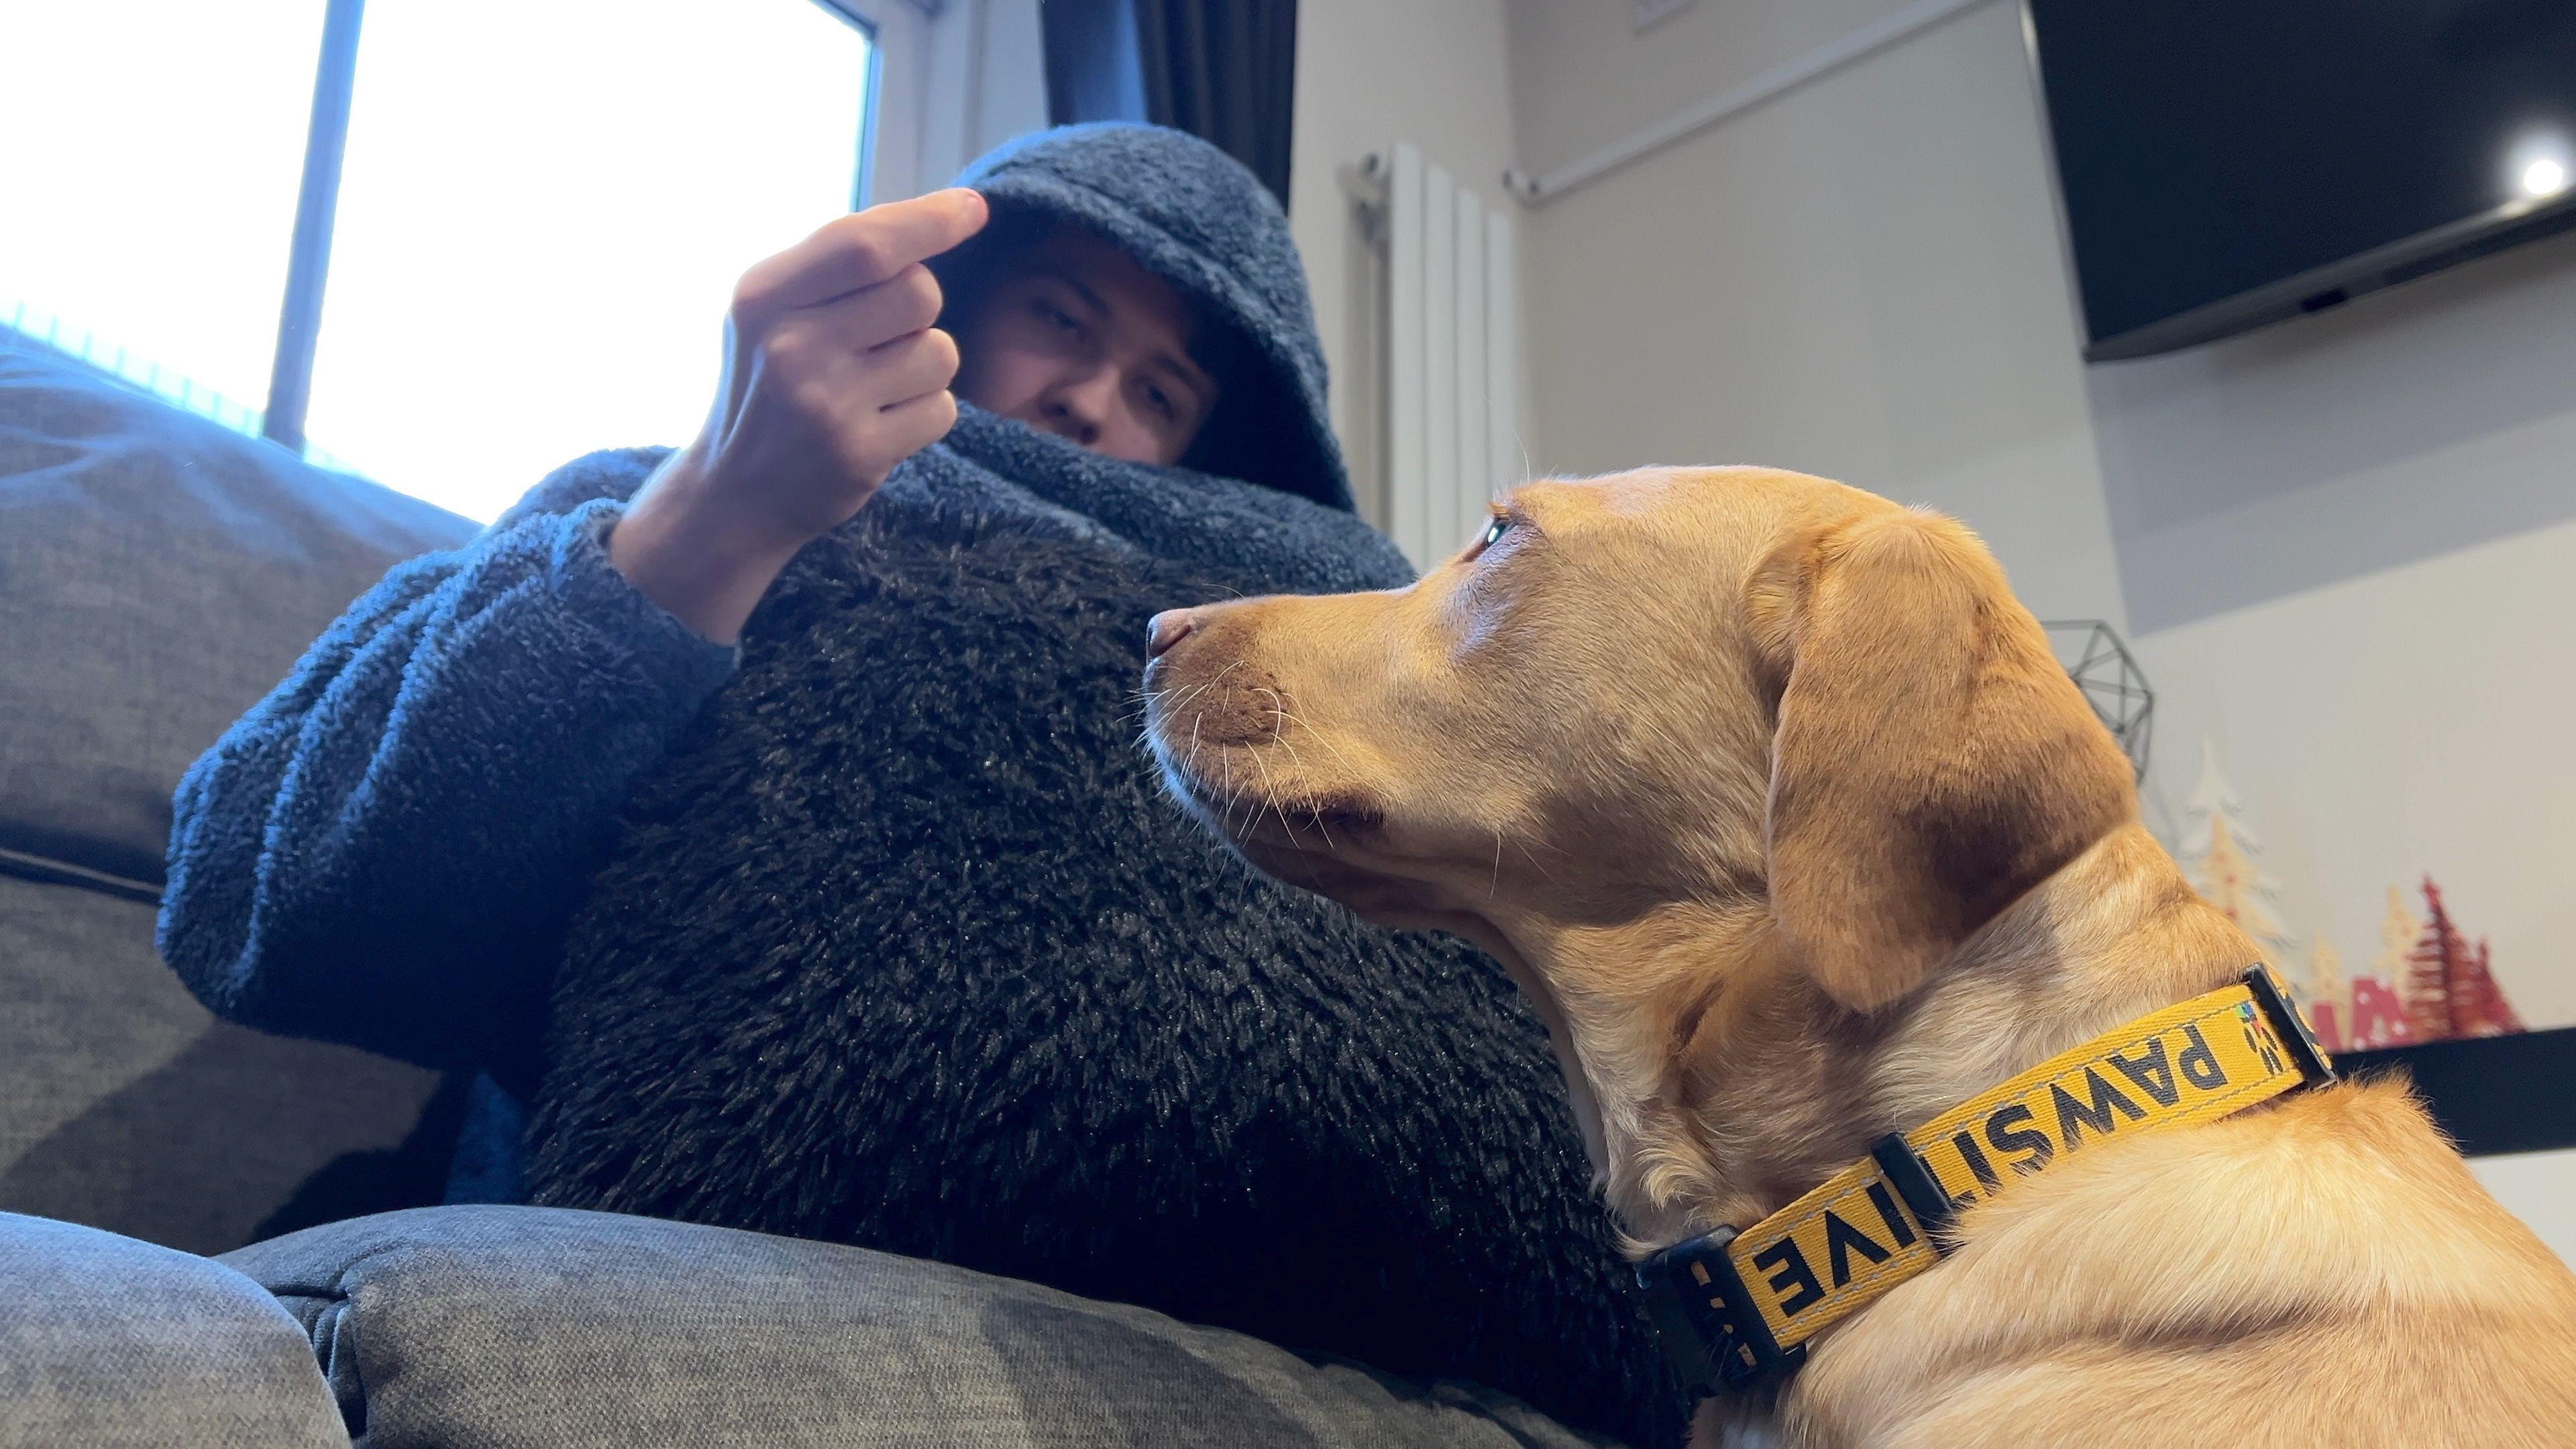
(1723, 1082)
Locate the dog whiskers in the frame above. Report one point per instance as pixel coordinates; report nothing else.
(1142, 702)
(1321, 738)
(1279, 737)
(1237, 812)
(1270, 800)
(1535, 863)
(1227, 761)
(1206, 684)
(1154, 697)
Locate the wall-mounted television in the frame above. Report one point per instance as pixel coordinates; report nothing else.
(2227, 163)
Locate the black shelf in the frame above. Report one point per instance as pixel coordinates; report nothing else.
(2493, 1094)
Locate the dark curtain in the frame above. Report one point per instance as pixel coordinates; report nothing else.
(1224, 70)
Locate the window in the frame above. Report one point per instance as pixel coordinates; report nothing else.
(542, 205)
(543, 208)
(148, 186)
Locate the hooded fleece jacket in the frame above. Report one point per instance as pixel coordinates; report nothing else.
(874, 927)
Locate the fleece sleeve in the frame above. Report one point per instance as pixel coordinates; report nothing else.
(386, 850)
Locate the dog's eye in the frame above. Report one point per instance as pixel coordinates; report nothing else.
(1494, 531)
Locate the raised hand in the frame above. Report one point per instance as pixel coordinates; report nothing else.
(832, 376)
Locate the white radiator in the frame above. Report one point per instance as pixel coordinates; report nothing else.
(1452, 422)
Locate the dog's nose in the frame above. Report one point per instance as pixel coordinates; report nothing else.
(1165, 630)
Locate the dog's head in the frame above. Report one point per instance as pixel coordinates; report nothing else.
(1731, 695)
(1717, 761)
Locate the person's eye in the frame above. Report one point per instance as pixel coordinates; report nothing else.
(1055, 316)
(1155, 398)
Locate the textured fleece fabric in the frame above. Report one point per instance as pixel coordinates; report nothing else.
(897, 943)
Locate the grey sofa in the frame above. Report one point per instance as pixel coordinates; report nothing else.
(210, 1237)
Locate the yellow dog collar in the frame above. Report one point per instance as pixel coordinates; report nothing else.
(1735, 1308)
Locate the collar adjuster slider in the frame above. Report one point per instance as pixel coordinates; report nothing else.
(1713, 1335)
(1923, 1194)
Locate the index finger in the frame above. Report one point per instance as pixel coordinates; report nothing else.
(871, 246)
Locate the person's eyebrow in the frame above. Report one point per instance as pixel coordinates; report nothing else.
(1090, 298)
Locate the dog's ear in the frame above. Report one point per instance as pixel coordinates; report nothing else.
(1931, 760)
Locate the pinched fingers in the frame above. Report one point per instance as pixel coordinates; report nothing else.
(819, 371)
(908, 427)
(902, 370)
(868, 440)
(903, 304)
(873, 408)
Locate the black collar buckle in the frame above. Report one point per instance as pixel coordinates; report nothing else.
(1713, 1336)
(2289, 1025)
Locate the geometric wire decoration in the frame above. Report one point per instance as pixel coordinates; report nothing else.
(2112, 683)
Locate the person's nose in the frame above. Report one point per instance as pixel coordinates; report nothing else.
(1078, 406)
(1167, 629)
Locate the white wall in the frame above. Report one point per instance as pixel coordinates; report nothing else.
(1859, 280)
(2535, 1185)
(1370, 73)
(2344, 547)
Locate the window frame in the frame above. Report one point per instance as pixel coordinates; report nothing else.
(308, 270)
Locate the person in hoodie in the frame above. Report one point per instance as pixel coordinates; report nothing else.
(762, 821)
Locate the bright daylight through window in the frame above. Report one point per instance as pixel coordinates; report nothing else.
(542, 206)
(147, 186)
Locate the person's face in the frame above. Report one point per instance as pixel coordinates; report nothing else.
(1080, 341)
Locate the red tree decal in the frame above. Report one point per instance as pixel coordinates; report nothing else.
(2478, 1007)
(2449, 991)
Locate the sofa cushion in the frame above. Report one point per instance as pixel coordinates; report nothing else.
(128, 1107)
(158, 574)
(540, 1328)
(107, 1342)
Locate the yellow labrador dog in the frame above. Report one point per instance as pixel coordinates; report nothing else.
(1773, 798)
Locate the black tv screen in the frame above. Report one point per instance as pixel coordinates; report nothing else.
(2225, 163)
